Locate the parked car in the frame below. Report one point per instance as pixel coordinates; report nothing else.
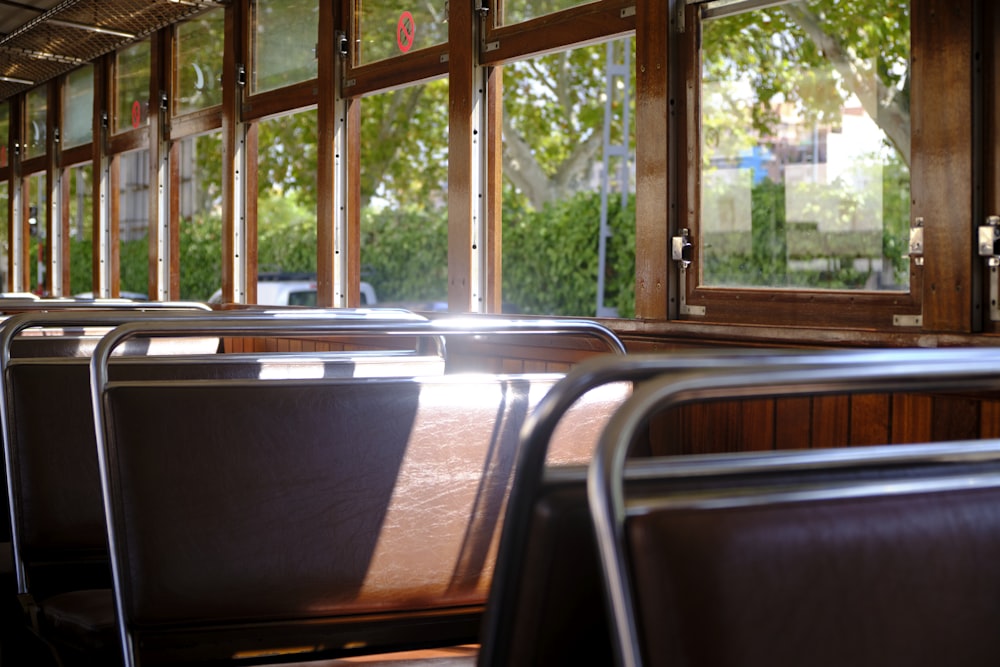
(293, 290)
(131, 296)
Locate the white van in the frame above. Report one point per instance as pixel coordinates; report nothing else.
(294, 292)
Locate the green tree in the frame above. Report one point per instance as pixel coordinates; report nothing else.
(790, 53)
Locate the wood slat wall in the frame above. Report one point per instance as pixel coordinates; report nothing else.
(821, 422)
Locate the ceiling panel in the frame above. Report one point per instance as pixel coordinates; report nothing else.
(41, 39)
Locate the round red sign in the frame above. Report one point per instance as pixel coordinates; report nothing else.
(406, 31)
(136, 113)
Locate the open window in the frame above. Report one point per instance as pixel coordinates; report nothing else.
(797, 198)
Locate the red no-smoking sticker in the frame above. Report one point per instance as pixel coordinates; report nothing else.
(136, 113)
(406, 31)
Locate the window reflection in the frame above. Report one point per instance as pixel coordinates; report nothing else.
(132, 79)
(516, 11)
(805, 147)
(199, 62)
(389, 29)
(78, 107)
(284, 43)
(36, 129)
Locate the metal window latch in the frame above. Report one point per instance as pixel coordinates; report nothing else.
(989, 240)
(342, 44)
(241, 75)
(917, 241)
(682, 250)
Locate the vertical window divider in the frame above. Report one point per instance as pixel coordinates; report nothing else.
(18, 215)
(56, 255)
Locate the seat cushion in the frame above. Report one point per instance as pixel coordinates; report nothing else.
(84, 619)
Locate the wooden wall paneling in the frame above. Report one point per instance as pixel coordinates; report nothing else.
(534, 366)
(911, 418)
(831, 421)
(989, 415)
(870, 419)
(955, 418)
(792, 423)
(711, 428)
(758, 423)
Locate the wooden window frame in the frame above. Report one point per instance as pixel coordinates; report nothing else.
(941, 295)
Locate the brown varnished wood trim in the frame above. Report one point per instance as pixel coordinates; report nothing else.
(353, 242)
(941, 174)
(576, 26)
(114, 237)
(461, 84)
(297, 96)
(101, 95)
(197, 122)
(493, 176)
(415, 67)
(326, 176)
(52, 169)
(175, 220)
(652, 159)
(72, 157)
(233, 56)
(789, 307)
(158, 77)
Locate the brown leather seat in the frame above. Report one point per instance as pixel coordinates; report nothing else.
(347, 516)
(863, 556)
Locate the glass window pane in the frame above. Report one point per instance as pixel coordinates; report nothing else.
(132, 87)
(4, 246)
(515, 11)
(37, 112)
(4, 132)
(37, 201)
(284, 43)
(199, 62)
(201, 216)
(133, 223)
(78, 107)
(81, 229)
(286, 198)
(390, 29)
(568, 191)
(805, 146)
(404, 176)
